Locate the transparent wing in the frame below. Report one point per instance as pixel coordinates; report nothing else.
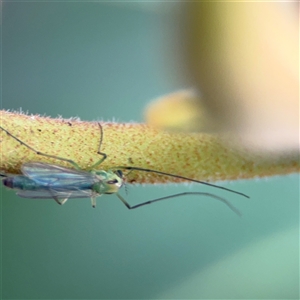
(54, 181)
(52, 193)
(53, 175)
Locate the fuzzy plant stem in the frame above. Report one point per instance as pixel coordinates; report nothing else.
(198, 156)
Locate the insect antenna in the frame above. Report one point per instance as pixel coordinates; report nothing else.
(234, 209)
(164, 173)
(182, 177)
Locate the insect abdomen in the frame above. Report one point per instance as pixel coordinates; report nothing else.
(19, 182)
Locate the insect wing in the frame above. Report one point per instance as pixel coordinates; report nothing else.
(52, 193)
(57, 182)
(51, 174)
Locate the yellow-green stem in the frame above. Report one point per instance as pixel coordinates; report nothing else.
(198, 156)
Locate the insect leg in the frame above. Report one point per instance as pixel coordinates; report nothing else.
(41, 153)
(60, 201)
(99, 152)
(93, 200)
(234, 209)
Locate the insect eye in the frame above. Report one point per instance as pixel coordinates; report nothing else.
(112, 181)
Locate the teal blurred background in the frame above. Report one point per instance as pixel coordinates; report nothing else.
(102, 61)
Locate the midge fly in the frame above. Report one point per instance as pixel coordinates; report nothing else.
(48, 181)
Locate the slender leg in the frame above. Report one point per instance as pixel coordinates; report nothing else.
(41, 153)
(75, 165)
(99, 152)
(93, 200)
(234, 209)
(60, 201)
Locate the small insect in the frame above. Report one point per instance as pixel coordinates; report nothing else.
(48, 181)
